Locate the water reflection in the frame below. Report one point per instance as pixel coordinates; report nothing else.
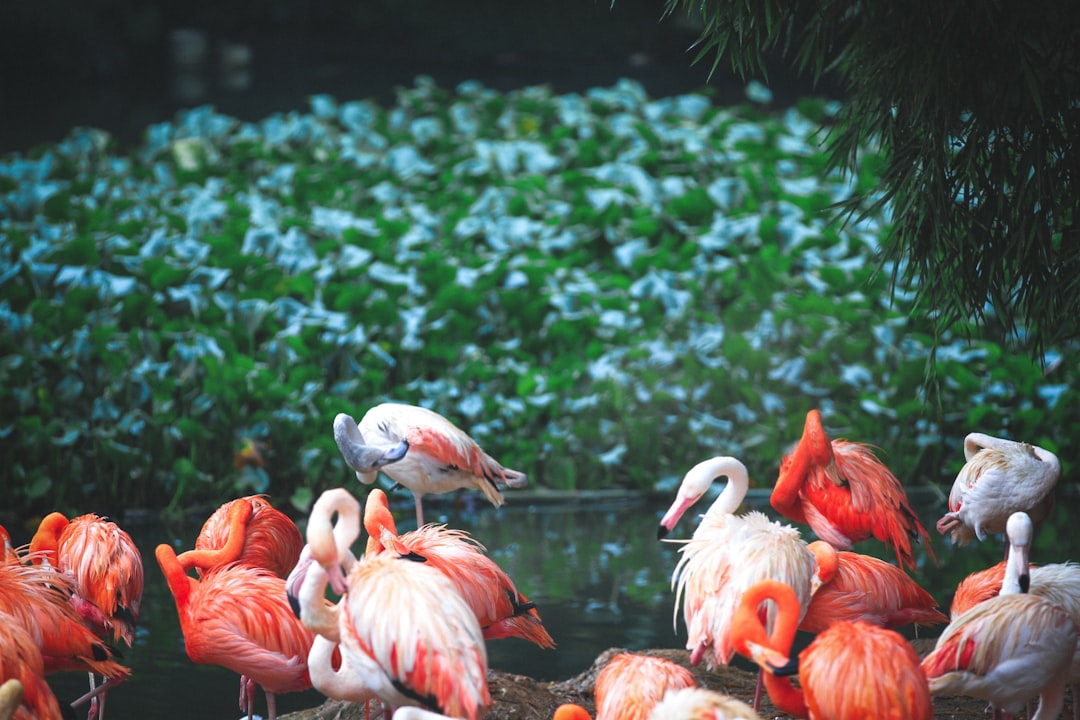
(599, 577)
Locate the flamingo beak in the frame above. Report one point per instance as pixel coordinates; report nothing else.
(671, 517)
(358, 455)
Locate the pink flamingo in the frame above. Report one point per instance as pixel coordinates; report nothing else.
(268, 538)
(501, 610)
(1010, 647)
(727, 555)
(862, 587)
(237, 617)
(403, 626)
(631, 684)
(999, 478)
(846, 494)
(852, 671)
(421, 450)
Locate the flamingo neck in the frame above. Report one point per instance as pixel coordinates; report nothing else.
(330, 541)
(318, 615)
(786, 697)
(827, 558)
(181, 585)
(378, 520)
(240, 513)
(1017, 570)
(47, 538)
(705, 472)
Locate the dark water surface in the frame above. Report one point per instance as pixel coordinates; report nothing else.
(595, 569)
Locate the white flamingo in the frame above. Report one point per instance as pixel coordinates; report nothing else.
(421, 450)
(999, 478)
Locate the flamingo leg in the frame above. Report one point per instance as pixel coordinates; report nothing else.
(247, 696)
(93, 695)
(271, 705)
(419, 510)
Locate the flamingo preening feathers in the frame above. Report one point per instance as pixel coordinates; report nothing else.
(422, 451)
(846, 494)
(403, 627)
(999, 478)
(267, 538)
(852, 671)
(1010, 647)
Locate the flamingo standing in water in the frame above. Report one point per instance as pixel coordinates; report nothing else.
(862, 587)
(852, 671)
(1010, 647)
(238, 617)
(999, 478)
(629, 686)
(728, 554)
(501, 610)
(403, 626)
(422, 451)
(701, 704)
(846, 494)
(268, 538)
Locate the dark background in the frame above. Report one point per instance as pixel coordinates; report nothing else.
(107, 63)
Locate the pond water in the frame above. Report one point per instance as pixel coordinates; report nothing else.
(599, 577)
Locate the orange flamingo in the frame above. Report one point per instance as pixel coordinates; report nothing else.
(999, 478)
(37, 599)
(861, 587)
(21, 660)
(853, 670)
(728, 554)
(439, 456)
(701, 704)
(1010, 647)
(403, 626)
(238, 617)
(105, 567)
(846, 494)
(501, 610)
(270, 539)
(630, 685)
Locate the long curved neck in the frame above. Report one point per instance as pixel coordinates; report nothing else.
(827, 558)
(330, 541)
(47, 538)
(1017, 577)
(317, 614)
(378, 520)
(181, 585)
(240, 512)
(752, 640)
(814, 448)
(703, 474)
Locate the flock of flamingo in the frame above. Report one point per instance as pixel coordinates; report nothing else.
(402, 626)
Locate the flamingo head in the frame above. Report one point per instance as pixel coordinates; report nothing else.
(1019, 530)
(827, 564)
(296, 577)
(358, 455)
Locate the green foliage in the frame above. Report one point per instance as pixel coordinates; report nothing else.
(602, 290)
(974, 108)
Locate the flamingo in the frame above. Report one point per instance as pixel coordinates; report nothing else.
(728, 554)
(104, 565)
(862, 587)
(1057, 582)
(701, 704)
(501, 610)
(846, 494)
(630, 685)
(1010, 647)
(403, 626)
(21, 661)
(432, 454)
(238, 617)
(269, 539)
(999, 478)
(853, 670)
(37, 599)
